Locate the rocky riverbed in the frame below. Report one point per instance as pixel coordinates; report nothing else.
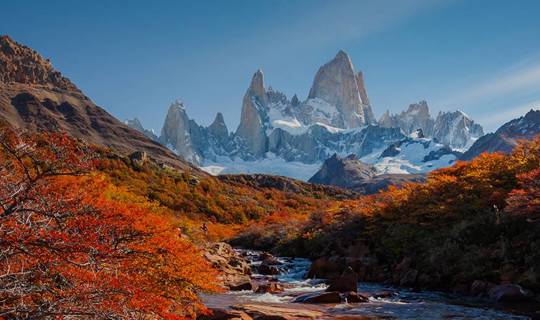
(265, 287)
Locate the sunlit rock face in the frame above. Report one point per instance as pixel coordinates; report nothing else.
(339, 87)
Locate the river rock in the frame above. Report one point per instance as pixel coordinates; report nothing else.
(348, 281)
(354, 297)
(234, 268)
(322, 297)
(508, 293)
(273, 312)
(225, 314)
(238, 282)
(271, 287)
(268, 269)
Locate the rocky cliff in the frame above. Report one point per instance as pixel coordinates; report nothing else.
(36, 97)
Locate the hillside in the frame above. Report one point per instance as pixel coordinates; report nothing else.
(36, 97)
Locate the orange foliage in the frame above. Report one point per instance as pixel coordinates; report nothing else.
(525, 201)
(72, 244)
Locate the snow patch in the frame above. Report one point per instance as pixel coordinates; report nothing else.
(271, 164)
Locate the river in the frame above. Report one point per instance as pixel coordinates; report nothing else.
(402, 304)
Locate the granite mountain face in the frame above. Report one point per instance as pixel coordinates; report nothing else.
(277, 135)
(454, 129)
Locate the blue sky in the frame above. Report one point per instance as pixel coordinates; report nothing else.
(135, 57)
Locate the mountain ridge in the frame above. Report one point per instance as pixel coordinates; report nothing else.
(36, 97)
(336, 117)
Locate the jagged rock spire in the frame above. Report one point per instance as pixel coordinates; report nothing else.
(337, 83)
(251, 127)
(218, 128)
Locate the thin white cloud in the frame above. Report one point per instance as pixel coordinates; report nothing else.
(500, 96)
(512, 112)
(520, 79)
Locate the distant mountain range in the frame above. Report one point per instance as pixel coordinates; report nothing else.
(277, 135)
(331, 136)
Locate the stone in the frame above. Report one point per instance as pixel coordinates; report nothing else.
(268, 269)
(273, 312)
(225, 314)
(235, 270)
(270, 287)
(239, 283)
(323, 297)
(354, 297)
(348, 281)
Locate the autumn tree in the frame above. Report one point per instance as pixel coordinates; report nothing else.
(73, 245)
(525, 201)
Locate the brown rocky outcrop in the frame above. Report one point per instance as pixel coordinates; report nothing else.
(235, 270)
(355, 297)
(21, 64)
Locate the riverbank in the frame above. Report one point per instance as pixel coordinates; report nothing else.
(280, 291)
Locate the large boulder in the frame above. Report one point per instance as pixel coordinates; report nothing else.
(238, 282)
(355, 297)
(347, 282)
(234, 268)
(323, 297)
(267, 269)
